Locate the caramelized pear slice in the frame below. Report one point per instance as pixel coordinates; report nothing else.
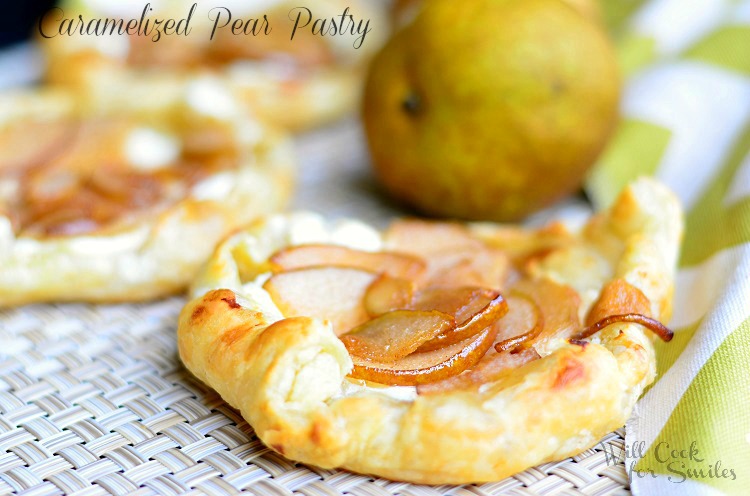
(463, 303)
(420, 237)
(396, 334)
(304, 256)
(454, 257)
(559, 305)
(388, 293)
(620, 301)
(490, 368)
(523, 322)
(618, 297)
(331, 293)
(523, 318)
(480, 266)
(522, 244)
(481, 310)
(31, 143)
(653, 325)
(431, 366)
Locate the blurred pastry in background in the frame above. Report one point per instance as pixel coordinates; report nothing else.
(127, 206)
(293, 83)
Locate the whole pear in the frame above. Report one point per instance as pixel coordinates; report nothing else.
(490, 109)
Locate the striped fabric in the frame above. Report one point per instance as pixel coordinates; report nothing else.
(686, 120)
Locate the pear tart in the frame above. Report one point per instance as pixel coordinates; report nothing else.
(293, 83)
(126, 207)
(436, 352)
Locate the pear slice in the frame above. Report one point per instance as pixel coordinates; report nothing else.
(480, 266)
(463, 303)
(618, 297)
(387, 294)
(331, 293)
(396, 334)
(454, 257)
(303, 256)
(484, 307)
(664, 333)
(523, 323)
(430, 366)
(420, 237)
(34, 142)
(559, 305)
(490, 368)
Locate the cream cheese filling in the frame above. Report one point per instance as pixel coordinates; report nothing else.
(147, 149)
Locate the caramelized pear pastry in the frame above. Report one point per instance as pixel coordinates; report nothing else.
(295, 83)
(436, 352)
(126, 207)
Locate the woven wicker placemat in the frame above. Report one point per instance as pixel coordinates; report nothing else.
(94, 400)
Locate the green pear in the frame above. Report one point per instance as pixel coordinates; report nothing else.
(490, 109)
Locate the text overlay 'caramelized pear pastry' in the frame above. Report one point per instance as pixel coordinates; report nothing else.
(436, 352)
(291, 82)
(127, 207)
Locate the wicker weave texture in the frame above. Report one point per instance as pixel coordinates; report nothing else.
(94, 400)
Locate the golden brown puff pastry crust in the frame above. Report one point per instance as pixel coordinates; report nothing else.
(126, 208)
(288, 375)
(294, 84)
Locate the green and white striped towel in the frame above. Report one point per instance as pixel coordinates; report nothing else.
(686, 120)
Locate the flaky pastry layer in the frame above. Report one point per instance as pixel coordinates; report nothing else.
(288, 375)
